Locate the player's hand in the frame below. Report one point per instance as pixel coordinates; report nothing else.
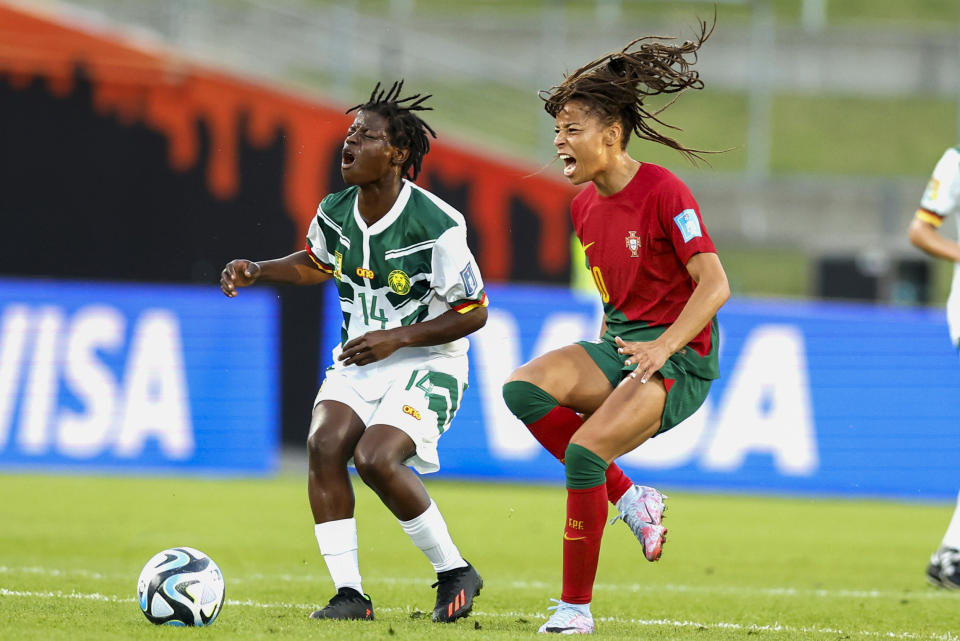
(369, 348)
(238, 273)
(648, 355)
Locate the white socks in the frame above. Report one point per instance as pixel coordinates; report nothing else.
(952, 537)
(429, 533)
(338, 545)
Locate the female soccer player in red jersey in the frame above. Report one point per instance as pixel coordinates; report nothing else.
(662, 284)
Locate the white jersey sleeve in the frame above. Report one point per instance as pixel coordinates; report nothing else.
(942, 195)
(317, 245)
(942, 198)
(456, 276)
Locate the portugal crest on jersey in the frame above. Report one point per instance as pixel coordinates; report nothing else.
(633, 244)
(399, 281)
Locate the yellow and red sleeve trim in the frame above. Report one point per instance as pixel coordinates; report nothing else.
(928, 216)
(321, 266)
(464, 306)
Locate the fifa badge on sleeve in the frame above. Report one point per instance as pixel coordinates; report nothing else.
(469, 280)
(689, 225)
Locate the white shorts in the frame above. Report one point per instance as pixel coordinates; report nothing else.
(422, 403)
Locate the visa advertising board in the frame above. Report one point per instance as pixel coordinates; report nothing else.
(814, 398)
(137, 377)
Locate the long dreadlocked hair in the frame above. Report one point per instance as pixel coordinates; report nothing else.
(405, 129)
(616, 84)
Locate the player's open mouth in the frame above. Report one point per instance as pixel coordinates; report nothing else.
(569, 164)
(346, 159)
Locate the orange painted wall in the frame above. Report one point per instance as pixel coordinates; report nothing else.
(169, 94)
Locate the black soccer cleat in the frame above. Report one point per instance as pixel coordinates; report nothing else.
(933, 570)
(944, 568)
(347, 605)
(455, 591)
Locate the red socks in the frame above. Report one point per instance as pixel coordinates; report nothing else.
(554, 432)
(586, 516)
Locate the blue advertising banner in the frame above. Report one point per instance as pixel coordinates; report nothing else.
(814, 398)
(137, 377)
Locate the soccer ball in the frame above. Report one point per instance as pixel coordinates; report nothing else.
(180, 586)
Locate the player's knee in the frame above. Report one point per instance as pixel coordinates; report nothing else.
(581, 440)
(324, 448)
(527, 401)
(373, 465)
(584, 467)
(514, 395)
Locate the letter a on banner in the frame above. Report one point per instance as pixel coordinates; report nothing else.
(156, 403)
(766, 406)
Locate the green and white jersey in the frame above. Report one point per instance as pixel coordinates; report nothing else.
(942, 198)
(942, 195)
(410, 266)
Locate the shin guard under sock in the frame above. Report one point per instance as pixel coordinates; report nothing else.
(553, 426)
(586, 517)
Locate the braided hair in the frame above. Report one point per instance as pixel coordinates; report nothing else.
(405, 129)
(615, 85)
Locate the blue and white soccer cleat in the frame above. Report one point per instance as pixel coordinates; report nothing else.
(642, 508)
(568, 618)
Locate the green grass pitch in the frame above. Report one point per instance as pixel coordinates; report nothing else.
(734, 567)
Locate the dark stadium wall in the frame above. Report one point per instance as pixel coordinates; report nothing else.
(124, 163)
(88, 196)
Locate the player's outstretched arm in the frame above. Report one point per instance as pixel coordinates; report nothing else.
(927, 237)
(295, 269)
(377, 345)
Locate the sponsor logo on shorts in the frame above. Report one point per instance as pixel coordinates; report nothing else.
(411, 411)
(399, 281)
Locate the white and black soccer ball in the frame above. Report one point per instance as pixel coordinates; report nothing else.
(181, 586)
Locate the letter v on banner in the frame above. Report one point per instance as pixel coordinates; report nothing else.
(496, 355)
(15, 325)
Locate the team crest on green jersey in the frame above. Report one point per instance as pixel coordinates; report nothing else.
(399, 281)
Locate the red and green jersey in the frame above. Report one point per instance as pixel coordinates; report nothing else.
(637, 243)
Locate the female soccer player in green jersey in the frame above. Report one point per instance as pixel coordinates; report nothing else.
(661, 284)
(410, 291)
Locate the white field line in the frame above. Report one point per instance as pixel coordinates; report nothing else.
(816, 632)
(924, 592)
